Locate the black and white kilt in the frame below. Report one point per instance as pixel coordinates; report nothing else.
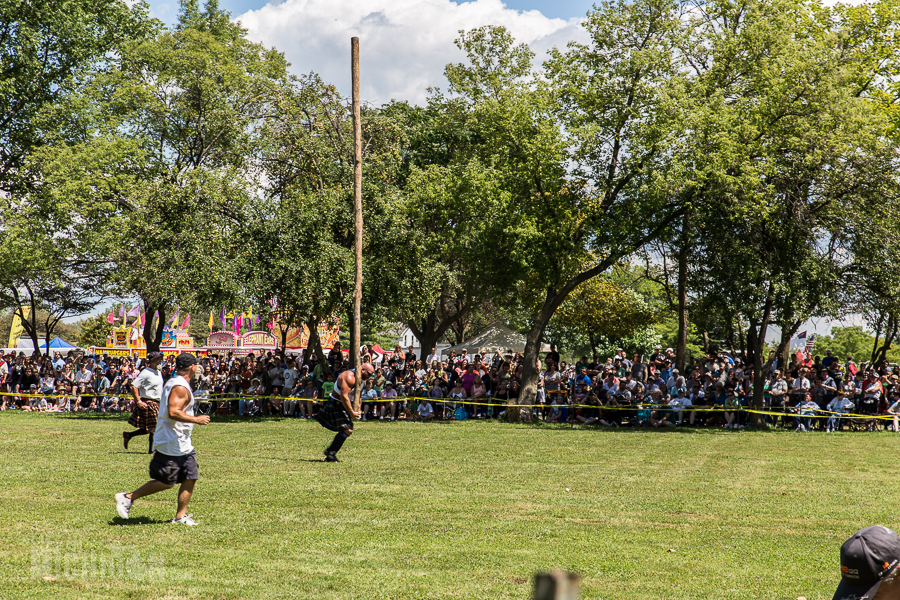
(333, 416)
(145, 418)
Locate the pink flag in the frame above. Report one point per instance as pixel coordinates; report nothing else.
(240, 322)
(187, 322)
(271, 324)
(143, 319)
(110, 318)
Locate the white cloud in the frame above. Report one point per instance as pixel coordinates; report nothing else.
(404, 44)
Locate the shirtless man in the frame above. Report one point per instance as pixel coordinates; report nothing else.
(338, 409)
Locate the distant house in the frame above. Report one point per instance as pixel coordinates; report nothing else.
(407, 339)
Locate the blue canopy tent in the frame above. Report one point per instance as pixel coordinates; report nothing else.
(58, 343)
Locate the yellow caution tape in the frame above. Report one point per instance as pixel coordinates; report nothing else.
(498, 402)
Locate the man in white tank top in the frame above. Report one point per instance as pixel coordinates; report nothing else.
(175, 460)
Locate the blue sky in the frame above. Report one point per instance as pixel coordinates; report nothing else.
(405, 44)
(558, 9)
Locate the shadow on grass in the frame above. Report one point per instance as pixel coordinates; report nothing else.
(700, 430)
(117, 521)
(95, 416)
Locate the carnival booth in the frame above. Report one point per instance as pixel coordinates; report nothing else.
(253, 342)
(128, 341)
(298, 337)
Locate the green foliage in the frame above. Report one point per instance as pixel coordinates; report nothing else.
(47, 49)
(846, 341)
(93, 331)
(176, 116)
(599, 308)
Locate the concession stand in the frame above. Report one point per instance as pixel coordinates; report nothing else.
(128, 341)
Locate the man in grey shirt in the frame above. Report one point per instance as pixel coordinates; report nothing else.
(146, 389)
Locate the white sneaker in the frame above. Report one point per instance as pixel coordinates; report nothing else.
(185, 520)
(123, 504)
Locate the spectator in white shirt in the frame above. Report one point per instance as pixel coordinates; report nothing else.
(424, 412)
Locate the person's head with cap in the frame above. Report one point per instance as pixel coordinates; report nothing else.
(154, 357)
(867, 558)
(186, 363)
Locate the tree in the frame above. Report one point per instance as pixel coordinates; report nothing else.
(44, 271)
(454, 210)
(93, 331)
(598, 308)
(307, 163)
(48, 54)
(46, 50)
(178, 118)
(844, 342)
(617, 112)
(790, 160)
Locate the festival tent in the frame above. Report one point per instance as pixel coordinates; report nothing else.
(58, 343)
(378, 351)
(497, 335)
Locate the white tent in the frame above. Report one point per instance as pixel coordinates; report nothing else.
(497, 335)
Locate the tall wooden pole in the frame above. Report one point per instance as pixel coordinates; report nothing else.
(357, 208)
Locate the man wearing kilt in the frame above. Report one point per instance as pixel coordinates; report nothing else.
(336, 413)
(147, 390)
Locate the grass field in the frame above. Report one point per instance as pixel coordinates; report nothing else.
(440, 510)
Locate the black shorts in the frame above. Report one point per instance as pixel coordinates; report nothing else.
(174, 469)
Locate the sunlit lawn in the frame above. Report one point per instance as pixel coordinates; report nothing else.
(439, 510)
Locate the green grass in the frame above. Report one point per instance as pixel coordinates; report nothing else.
(440, 510)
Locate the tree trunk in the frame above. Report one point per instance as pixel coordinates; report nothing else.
(29, 324)
(314, 344)
(705, 342)
(683, 325)
(154, 340)
(877, 337)
(760, 367)
(784, 358)
(890, 333)
(530, 372)
(430, 329)
(284, 334)
(683, 316)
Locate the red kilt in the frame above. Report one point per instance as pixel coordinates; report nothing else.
(145, 418)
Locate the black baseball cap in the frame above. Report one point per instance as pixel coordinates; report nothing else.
(185, 360)
(866, 558)
(151, 356)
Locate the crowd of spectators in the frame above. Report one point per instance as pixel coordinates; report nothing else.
(715, 390)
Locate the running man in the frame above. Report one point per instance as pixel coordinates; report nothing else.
(147, 389)
(175, 460)
(336, 414)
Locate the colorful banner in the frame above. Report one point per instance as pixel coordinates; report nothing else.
(15, 332)
(120, 352)
(298, 337)
(259, 338)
